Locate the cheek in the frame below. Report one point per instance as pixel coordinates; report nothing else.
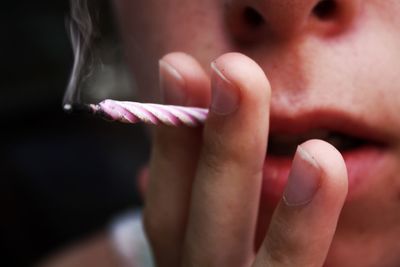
(137, 25)
(151, 29)
(374, 58)
(362, 67)
(377, 72)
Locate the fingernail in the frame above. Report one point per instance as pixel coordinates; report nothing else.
(225, 95)
(304, 179)
(172, 84)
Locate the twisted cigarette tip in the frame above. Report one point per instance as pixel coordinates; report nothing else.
(134, 112)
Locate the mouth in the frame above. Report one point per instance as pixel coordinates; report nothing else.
(366, 149)
(362, 146)
(284, 145)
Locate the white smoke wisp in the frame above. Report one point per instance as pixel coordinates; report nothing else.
(82, 31)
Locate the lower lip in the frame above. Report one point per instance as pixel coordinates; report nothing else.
(362, 165)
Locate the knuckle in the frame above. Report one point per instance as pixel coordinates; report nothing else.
(217, 152)
(219, 156)
(275, 254)
(212, 151)
(277, 248)
(211, 160)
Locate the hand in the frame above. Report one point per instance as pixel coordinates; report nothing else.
(202, 199)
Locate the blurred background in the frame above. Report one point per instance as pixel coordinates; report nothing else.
(63, 177)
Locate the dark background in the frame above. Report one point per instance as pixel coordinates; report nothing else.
(62, 177)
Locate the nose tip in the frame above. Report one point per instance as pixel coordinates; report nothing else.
(252, 20)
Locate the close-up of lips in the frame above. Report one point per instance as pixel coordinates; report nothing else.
(240, 133)
(364, 149)
(367, 153)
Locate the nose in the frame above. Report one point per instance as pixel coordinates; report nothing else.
(252, 20)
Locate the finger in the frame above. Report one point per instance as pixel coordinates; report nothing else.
(305, 220)
(226, 189)
(183, 81)
(173, 160)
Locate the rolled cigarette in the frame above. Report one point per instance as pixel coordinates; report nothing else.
(134, 112)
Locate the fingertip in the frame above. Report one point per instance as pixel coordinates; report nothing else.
(226, 95)
(197, 83)
(239, 109)
(172, 84)
(334, 180)
(245, 73)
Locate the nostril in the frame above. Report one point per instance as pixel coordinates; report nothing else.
(325, 9)
(252, 17)
(244, 23)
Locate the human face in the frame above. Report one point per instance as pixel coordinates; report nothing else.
(332, 65)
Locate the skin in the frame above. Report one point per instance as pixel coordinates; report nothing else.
(203, 192)
(345, 62)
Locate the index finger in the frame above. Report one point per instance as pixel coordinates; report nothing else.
(227, 185)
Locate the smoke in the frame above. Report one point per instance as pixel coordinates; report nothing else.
(82, 31)
(99, 70)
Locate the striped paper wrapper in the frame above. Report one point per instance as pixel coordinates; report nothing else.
(134, 112)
